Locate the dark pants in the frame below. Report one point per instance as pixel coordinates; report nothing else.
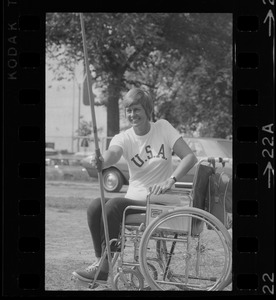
(114, 213)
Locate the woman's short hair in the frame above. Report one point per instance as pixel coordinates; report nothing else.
(139, 96)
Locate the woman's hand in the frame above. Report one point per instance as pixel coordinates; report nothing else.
(97, 162)
(162, 187)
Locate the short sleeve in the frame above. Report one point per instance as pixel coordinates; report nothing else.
(117, 140)
(171, 133)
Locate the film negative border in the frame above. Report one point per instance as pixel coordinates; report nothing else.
(253, 150)
(24, 190)
(253, 130)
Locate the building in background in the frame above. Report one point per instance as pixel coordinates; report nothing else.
(63, 108)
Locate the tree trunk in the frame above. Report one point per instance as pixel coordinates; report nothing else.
(113, 114)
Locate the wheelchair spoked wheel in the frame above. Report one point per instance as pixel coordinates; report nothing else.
(192, 248)
(129, 280)
(152, 270)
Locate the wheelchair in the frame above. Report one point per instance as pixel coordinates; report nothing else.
(176, 246)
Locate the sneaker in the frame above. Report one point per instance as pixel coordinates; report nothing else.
(89, 273)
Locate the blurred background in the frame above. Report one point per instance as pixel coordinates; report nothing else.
(183, 59)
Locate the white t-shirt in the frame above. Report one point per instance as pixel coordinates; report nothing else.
(149, 157)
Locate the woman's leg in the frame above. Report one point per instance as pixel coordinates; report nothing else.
(114, 213)
(94, 218)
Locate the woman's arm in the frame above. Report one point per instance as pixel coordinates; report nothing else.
(108, 158)
(188, 160)
(112, 156)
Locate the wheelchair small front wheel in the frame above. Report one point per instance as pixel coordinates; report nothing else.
(152, 271)
(129, 280)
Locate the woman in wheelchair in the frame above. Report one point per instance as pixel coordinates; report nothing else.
(147, 147)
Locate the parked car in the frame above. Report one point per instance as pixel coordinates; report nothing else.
(50, 151)
(70, 159)
(113, 177)
(65, 167)
(53, 161)
(116, 176)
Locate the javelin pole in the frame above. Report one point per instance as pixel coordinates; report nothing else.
(97, 149)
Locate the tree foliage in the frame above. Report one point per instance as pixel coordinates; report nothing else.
(183, 59)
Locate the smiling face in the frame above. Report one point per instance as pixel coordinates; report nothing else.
(138, 119)
(138, 96)
(138, 108)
